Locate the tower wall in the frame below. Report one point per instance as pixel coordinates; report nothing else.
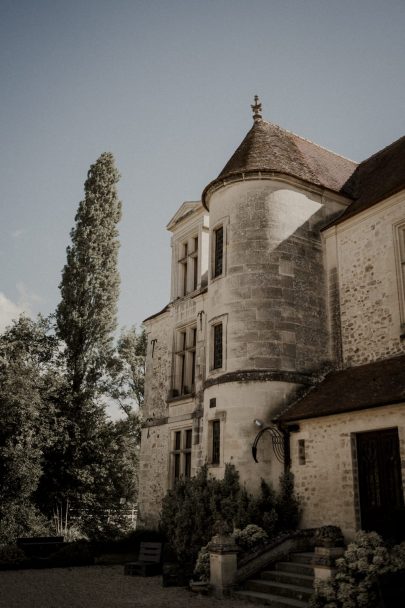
(272, 288)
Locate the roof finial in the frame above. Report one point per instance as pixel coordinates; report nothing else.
(257, 108)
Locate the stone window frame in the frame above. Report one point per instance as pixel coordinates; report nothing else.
(215, 322)
(181, 452)
(216, 422)
(184, 360)
(188, 256)
(399, 249)
(224, 224)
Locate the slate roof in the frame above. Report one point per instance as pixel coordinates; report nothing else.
(356, 388)
(269, 148)
(376, 178)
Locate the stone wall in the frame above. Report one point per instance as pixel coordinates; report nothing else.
(361, 252)
(326, 483)
(158, 365)
(153, 473)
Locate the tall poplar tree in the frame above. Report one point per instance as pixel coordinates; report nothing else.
(78, 472)
(87, 313)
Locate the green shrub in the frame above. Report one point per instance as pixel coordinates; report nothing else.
(11, 555)
(355, 583)
(73, 554)
(21, 520)
(192, 507)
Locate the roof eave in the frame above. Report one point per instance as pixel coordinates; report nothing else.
(241, 176)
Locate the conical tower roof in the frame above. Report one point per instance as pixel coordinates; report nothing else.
(269, 149)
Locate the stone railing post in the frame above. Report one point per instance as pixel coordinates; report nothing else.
(329, 546)
(324, 562)
(223, 563)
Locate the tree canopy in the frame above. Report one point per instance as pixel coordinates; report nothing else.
(62, 458)
(87, 314)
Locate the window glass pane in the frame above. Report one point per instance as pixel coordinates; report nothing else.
(176, 466)
(177, 440)
(193, 368)
(219, 251)
(189, 434)
(195, 273)
(182, 372)
(216, 441)
(187, 464)
(217, 346)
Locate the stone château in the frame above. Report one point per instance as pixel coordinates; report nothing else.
(285, 331)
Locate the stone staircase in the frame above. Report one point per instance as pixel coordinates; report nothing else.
(288, 585)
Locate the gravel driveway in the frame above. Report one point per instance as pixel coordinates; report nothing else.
(97, 587)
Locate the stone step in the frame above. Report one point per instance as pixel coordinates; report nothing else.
(295, 567)
(274, 601)
(292, 578)
(302, 558)
(279, 589)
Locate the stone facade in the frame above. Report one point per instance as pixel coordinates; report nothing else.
(368, 282)
(298, 291)
(327, 483)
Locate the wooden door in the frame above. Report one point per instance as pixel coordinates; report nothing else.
(380, 483)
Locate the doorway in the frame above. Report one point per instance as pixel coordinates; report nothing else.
(380, 483)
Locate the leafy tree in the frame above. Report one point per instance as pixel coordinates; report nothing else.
(30, 386)
(86, 315)
(79, 472)
(128, 376)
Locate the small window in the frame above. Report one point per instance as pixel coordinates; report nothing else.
(218, 251)
(181, 454)
(195, 263)
(301, 451)
(216, 441)
(185, 361)
(218, 358)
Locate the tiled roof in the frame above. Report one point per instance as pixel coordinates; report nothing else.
(376, 178)
(269, 148)
(356, 388)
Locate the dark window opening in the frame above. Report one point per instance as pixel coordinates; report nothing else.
(217, 359)
(176, 466)
(301, 451)
(181, 454)
(218, 251)
(216, 441)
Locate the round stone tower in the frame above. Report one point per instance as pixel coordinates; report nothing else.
(266, 293)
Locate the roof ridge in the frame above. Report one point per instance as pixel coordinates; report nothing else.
(312, 142)
(382, 150)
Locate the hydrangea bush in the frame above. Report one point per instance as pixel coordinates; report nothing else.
(355, 583)
(202, 566)
(250, 538)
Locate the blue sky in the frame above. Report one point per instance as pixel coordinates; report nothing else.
(166, 87)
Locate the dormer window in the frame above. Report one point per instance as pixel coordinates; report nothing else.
(188, 266)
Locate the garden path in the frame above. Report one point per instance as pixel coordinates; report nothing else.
(97, 587)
